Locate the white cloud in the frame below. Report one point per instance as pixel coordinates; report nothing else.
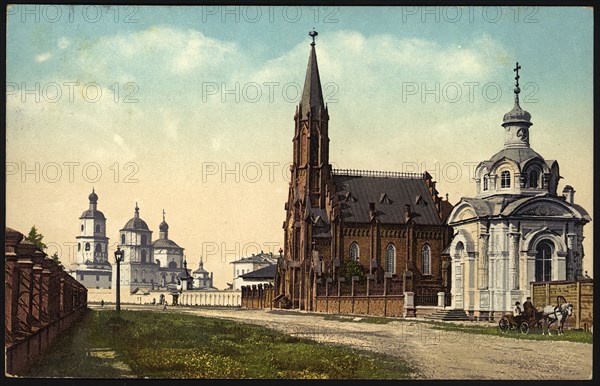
(163, 48)
(63, 43)
(43, 57)
(127, 152)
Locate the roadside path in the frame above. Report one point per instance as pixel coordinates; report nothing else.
(438, 354)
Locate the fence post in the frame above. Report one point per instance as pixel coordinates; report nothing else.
(385, 296)
(578, 314)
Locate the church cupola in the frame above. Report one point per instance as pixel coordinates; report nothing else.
(517, 121)
(164, 228)
(93, 197)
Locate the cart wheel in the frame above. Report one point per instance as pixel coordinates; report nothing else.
(524, 327)
(504, 325)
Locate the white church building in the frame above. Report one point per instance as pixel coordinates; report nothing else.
(91, 267)
(517, 229)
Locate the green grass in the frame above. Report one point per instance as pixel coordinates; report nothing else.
(175, 345)
(534, 333)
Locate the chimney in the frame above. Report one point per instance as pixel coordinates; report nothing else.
(407, 212)
(569, 194)
(371, 208)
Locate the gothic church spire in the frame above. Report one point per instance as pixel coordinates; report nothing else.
(312, 94)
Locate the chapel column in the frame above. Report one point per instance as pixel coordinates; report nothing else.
(513, 260)
(482, 265)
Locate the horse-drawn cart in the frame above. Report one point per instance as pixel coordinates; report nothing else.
(535, 318)
(522, 322)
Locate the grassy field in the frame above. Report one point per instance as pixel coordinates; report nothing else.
(534, 333)
(171, 345)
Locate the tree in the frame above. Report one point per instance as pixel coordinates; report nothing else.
(353, 268)
(36, 238)
(57, 260)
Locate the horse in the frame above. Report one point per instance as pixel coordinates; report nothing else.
(556, 314)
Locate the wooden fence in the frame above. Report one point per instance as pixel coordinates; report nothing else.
(579, 293)
(41, 300)
(258, 296)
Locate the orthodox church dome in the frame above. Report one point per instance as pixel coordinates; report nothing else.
(93, 197)
(92, 212)
(517, 115)
(163, 227)
(136, 223)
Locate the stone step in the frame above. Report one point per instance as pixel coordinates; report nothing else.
(448, 315)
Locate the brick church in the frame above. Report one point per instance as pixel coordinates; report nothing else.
(391, 223)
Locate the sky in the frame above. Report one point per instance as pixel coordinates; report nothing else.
(190, 109)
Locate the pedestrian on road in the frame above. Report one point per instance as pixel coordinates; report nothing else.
(165, 306)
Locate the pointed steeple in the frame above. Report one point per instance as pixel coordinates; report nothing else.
(312, 94)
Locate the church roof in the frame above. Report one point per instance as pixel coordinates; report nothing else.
(200, 270)
(136, 223)
(514, 205)
(259, 258)
(91, 213)
(267, 272)
(506, 205)
(356, 192)
(165, 243)
(518, 155)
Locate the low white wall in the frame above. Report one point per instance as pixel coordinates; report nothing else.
(189, 298)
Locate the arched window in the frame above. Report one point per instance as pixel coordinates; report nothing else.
(98, 247)
(79, 246)
(485, 182)
(172, 265)
(505, 179)
(390, 258)
(82, 227)
(533, 179)
(135, 275)
(460, 250)
(144, 254)
(123, 238)
(143, 275)
(97, 228)
(426, 260)
(158, 263)
(87, 246)
(543, 261)
(144, 240)
(354, 251)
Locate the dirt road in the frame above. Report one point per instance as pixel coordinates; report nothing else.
(437, 354)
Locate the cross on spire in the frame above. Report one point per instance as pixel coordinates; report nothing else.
(163, 215)
(313, 34)
(516, 70)
(517, 88)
